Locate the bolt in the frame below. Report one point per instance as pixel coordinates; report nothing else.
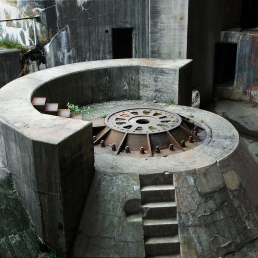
(113, 147)
(126, 149)
(142, 150)
(183, 143)
(94, 138)
(102, 143)
(171, 146)
(157, 149)
(190, 138)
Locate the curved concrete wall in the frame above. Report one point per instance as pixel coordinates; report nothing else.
(51, 157)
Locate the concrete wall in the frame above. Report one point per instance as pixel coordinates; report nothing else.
(206, 19)
(148, 79)
(17, 235)
(115, 234)
(168, 28)
(51, 160)
(89, 36)
(217, 206)
(246, 74)
(9, 66)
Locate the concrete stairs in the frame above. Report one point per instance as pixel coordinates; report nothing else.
(160, 223)
(49, 108)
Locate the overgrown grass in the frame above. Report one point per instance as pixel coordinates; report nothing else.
(11, 44)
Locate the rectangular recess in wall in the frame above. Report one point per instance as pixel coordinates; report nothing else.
(225, 64)
(122, 43)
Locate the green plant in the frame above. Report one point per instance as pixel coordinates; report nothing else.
(201, 120)
(137, 97)
(164, 126)
(171, 102)
(256, 154)
(151, 128)
(103, 114)
(52, 255)
(7, 43)
(74, 108)
(85, 110)
(190, 116)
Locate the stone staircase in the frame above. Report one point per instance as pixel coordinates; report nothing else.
(49, 108)
(160, 223)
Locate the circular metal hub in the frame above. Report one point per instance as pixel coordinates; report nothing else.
(143, 121)
(145, 131)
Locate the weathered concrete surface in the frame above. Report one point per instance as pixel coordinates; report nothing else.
(99, 81)
(206, 19)
(106, 230)
(83, 23)
(17, 235)
(22, 31)
(246, 77)
(168, 28)
(243, 115)
(9, 65)
(217, 206)
(51, 159)
(248, 251)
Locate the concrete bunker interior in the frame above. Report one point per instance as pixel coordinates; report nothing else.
(86, 201)
(180, 204)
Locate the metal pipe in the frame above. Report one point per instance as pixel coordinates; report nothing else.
(35, 31)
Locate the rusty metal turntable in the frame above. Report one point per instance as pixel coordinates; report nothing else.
(145, 132)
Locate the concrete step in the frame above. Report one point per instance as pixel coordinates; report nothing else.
(157, 193)
(39, 103)
(64, 112)
(156, 179)
(160, 227)
(159, 210)
(51, 108)
(162, 246)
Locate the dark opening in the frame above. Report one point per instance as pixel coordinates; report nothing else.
(249, 17)
(122, 40)
(225, 64)
(142, 121)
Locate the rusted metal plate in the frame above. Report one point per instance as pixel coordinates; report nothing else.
(145, 132)
(143, 121)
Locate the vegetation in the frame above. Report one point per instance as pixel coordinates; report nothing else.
(190, 116)
(151, 128)
(74, 108)
(256, 154)
(164, 126)
(137, 97)
(103, 114)
(52, 255)
(171, 102)
(11, 44)
(201, 120)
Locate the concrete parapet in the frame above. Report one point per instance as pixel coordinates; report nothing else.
(51, 158)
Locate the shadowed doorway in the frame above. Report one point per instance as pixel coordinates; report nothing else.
(122, 43)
